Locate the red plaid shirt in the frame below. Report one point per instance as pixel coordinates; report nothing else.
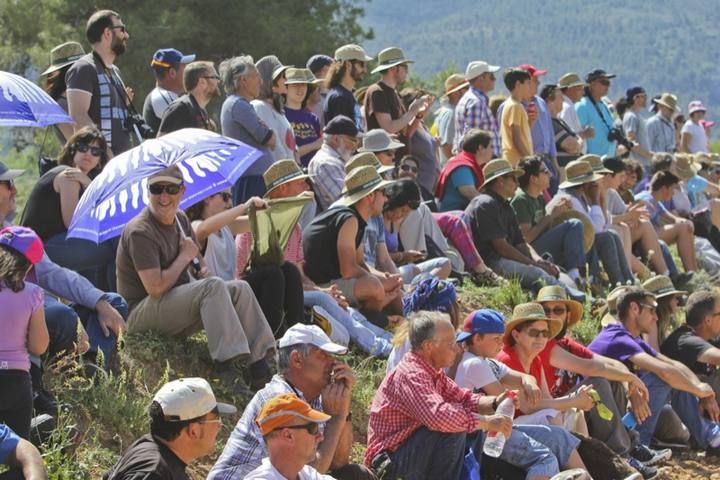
(415, 395)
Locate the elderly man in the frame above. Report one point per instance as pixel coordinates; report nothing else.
(350, 67)
(156, 250)
(168, 65)
(572, 89)
(660, 127)
(455, 88)
(184, 423)
(308, 368)
(201, 83)
(472, 110)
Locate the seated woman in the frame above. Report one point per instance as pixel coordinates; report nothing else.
(52, 201)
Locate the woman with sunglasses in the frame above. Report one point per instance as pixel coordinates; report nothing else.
(49, 208)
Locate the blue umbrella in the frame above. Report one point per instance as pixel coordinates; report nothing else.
(209, 162)
(24, 104)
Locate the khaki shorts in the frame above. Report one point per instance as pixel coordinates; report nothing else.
(347, 287)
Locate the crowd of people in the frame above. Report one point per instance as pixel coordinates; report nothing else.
(554, 187)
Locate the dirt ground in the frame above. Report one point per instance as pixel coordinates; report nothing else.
(691, 466)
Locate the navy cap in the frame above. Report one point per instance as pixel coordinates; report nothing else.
(167, 57)
(317, 62)
(482, 321)
(597, 74)
(341, 125)
(631, 92)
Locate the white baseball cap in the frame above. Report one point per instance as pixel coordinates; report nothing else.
(188, 398)
(477, 68)
(310, 334)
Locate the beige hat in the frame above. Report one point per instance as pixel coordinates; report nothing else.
(295, 76)
(668, 100)
(579, 172)
(588, 228)
(684, 167)
(596, 163)
(367, 158)
(661, 286)
(360, 183)
(281, 172)
(498, 168)
(171, 174)
(390, 57)
(477, 68)
(570, 80)
(378, 140)
(455, 83)
(351, 52)
(64, 55)
(556, 293)
(610, 316)
(189, 398)
(530, 312)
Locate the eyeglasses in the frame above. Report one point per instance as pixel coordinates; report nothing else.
(213, 77)
(84, 147)
(8, 183)
(311, 428)
(170, 189)
(216, 420)
(122, 28)
(408, 168)
(555, 311)
(535, 333)
(652, 308)
(225, 195)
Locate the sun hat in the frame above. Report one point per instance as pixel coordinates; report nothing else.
(696, 106)
(171, 174)
(167, 57)
(483, 321)
(23, 240)
(498, 168)
(318, 62)
(367, 158)
(668, 100)
(341, 125)
(189, 398)
(610, 316)
(595, 162)
(570, 80)
(556, 293)
(9, 174)
(597, 74)
(661, 286)
(360, 183)
(389, 58)
(579, 172)
(351, 52)
(478, 67)
(63, 55)
(282, 410)
(282, 172)
(378, 140)
(588, 228)
(454, 83)
(684, 167)
(312, 335)
(532, 70)
(295, 76)
(530, 312)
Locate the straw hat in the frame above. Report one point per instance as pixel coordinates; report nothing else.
(588, 228)
(611, 300)
(454, 83)
(668, 100)
(281, 172)
(498, 168)
(360, 183)
(367, 158)
(378, 140)
(295, 76)
(579, 172)
(529, 312)
(570, 80)
(64, 55)
(556, 293)
(684, 167)
(661, 286)
(596, 163)
(389, 58)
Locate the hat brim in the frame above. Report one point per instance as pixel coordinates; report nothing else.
(685, 173)
(333, 348)
(384, 67)
(575, 309)
(515, 171)
(490, 69)
(608, 319)
(658, 296)
(393, 145)
(55, 68)
(279, 71)
(554, 325)
(457, 88)
(356, 197)
(660, 102)
(462, 336)
(303, 176)
(574, 183)
(574, 84)
(588, 227)
(12, 174)
(226, 408)
(164, 178)
(187, 59)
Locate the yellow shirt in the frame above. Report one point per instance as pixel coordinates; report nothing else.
(514, 114)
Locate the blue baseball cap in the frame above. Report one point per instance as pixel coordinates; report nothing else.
(482, 321)
(167, 57)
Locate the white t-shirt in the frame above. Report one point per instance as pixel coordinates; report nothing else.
(698, 140)
(284, 135)
(476, 372)
(267, 472)
(220, 253)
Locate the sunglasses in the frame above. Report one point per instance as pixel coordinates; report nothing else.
(170, 189)
(311, 428)
(213, 77)
(535, 333)
(122, 28)
(408, 168)
(8, 183)
(555, 311)
(652, 308)
(225, 195)
(84, 147)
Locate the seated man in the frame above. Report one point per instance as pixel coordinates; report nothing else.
(184, 423)
(20, 456)
(155, 252)
(308, 368)
(563, 241)
(291, 430)
(343, 227)
(667, 380)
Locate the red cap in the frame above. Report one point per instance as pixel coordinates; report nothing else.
(534, 72)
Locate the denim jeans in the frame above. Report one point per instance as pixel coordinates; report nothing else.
(685, 405)
(608, 249)
(94, 261)
(428, 455)
(531, 277)
(565, 243)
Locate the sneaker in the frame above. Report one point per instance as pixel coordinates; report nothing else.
(650, 457)
(487, 278)
(681, 279)
(230, 375)
(646, 471)
(574, 474)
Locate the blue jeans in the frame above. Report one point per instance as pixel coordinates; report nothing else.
(428, 455)
(608, 249)
(531, 277)
(685, 405)
(248, 186)
(94, 261)
(565, 243)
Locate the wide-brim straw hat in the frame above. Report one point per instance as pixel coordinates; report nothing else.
(588, 228)
(661, 286)
(389, 58)
(556, 293)
(530, 312)
(499, 168)
(367, 158)
(668, 100)
(300, 76)
(64, 55)
(610, 316)
(596, 163)
(455, 83)
(281, 172)
(360, 183)
(684, 167)
(570, 80)
(378, 140)
(579, 172)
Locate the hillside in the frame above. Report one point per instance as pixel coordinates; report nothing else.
(662, 45)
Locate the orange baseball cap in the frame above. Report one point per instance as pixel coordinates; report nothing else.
(281, 410)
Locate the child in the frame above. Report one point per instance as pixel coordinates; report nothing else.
(22, 323)
(514, 122)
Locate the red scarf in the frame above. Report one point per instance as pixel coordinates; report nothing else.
(463, 159)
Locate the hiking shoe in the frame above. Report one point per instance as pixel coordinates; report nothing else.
(681, 279)
(487, 278)
(260, 374)
(646, 471)
(230, 375)
(650, 457)
(44, 402)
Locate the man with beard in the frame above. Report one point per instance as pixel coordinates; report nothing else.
(96, 94)
(350, 67)
(201, 82)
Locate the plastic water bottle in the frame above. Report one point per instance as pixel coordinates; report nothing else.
(495, 441)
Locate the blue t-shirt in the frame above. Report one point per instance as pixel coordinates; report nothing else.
(306, 127)
(340, 101)
(452, 199)
(588, 115)
(8, 443)
(614, 341)
(374, 234)
(240, 121)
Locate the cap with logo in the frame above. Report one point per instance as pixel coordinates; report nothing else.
(389, 58)
(189, 398)
(23, 240)
(167, 57)
(280, 411)
(485, 321)
(312, 335)
(351, 52)
(478, 67)
(171, 174)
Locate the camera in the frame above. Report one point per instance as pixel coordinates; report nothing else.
(616, 135)
(137, 122)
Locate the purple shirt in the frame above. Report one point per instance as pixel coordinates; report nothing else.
(17, 308)
(616, 342)
(306, 126)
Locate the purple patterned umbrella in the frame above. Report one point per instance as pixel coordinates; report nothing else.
(24, 104)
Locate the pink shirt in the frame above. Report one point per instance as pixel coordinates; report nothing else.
(244, 243)
(17, 308)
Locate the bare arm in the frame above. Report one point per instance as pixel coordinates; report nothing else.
(670, 374)
(310, 147)
(384, 261)
(518, 140)
(69, 192)
(27, 457)
(78, 107)
(347, 253)
(468, 191)
(447, 150)
(711, 356)
(38, 337)
(157, 282)
(685, 142)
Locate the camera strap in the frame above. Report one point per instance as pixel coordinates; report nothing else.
(118, 84)
(602, 117)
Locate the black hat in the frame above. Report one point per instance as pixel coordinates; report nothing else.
(341, 125)
(597, 74)
(317, 62)
(632, 92)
